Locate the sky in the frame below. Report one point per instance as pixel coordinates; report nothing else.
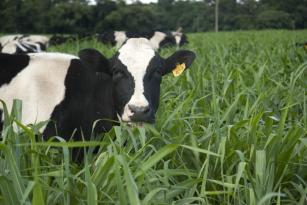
(143, 1)
(130, 1)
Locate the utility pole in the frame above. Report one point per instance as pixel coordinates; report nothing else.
(216, 15)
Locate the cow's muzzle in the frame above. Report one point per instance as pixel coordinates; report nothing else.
(142, 114)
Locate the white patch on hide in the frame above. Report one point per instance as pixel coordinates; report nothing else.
(40, 86)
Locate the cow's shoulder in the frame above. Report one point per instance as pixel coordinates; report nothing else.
(56, 65)
(45, 65)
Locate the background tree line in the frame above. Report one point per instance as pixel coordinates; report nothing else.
(78, 16)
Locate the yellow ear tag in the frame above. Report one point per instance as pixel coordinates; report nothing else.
(179, 69)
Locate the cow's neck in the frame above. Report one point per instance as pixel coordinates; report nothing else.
(1, 123)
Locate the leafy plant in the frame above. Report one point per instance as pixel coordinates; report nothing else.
(231, 130)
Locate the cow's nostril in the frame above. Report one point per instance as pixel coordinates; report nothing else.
(138, 109)
(146, 109)
(141, 114)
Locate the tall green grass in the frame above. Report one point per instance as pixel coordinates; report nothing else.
(231, 130)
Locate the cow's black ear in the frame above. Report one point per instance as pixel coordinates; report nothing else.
(180, 59)
(93, 59)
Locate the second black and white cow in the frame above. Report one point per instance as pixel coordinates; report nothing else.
(22, 47)
(158, 39)
(20, 44)
(302, 44)
(73, 92)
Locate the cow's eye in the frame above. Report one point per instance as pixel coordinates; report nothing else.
(154, 74)
(118, 74)
(158, 72)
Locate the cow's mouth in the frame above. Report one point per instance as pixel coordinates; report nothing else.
(135, 124)
(140, 124)
(136, 119)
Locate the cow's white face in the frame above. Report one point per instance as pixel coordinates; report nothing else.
(136, 71)
(157, 38)
(177, 36)
(136, 55)
(180, 38)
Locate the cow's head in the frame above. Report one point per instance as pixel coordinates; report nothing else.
(107, 37)
(180, 38)
(137, 71)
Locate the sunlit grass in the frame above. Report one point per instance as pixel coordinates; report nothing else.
(231, 130)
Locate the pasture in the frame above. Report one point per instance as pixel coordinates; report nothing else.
(231, 130)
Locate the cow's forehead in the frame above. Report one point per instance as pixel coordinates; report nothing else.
(178, 36)
(175, 33)
(136, 55)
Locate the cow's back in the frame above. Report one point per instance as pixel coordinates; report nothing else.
(37, 80)
(7, 38)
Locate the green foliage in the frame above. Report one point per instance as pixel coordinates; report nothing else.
(78, 16)
(130, 17)
(231, 130)
(274, 19)
(68, 17)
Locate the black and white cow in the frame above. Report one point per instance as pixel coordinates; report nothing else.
(8, 38)
(302, 44)
(180, 38)
(5, 40)
(158, 39)
(73, 92)
(28, 38)
(113, 38)
(44, 40)
(19, 44)
(22, 47)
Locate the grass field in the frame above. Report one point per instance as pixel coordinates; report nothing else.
(231, 130)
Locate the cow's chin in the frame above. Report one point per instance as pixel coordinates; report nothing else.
(135, 124)
(132, 123)
(130, 119)
(138, 124)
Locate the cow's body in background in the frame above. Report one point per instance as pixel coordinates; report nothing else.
(21, 44)
(8, 38)
(158, 39)
(22, 47)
